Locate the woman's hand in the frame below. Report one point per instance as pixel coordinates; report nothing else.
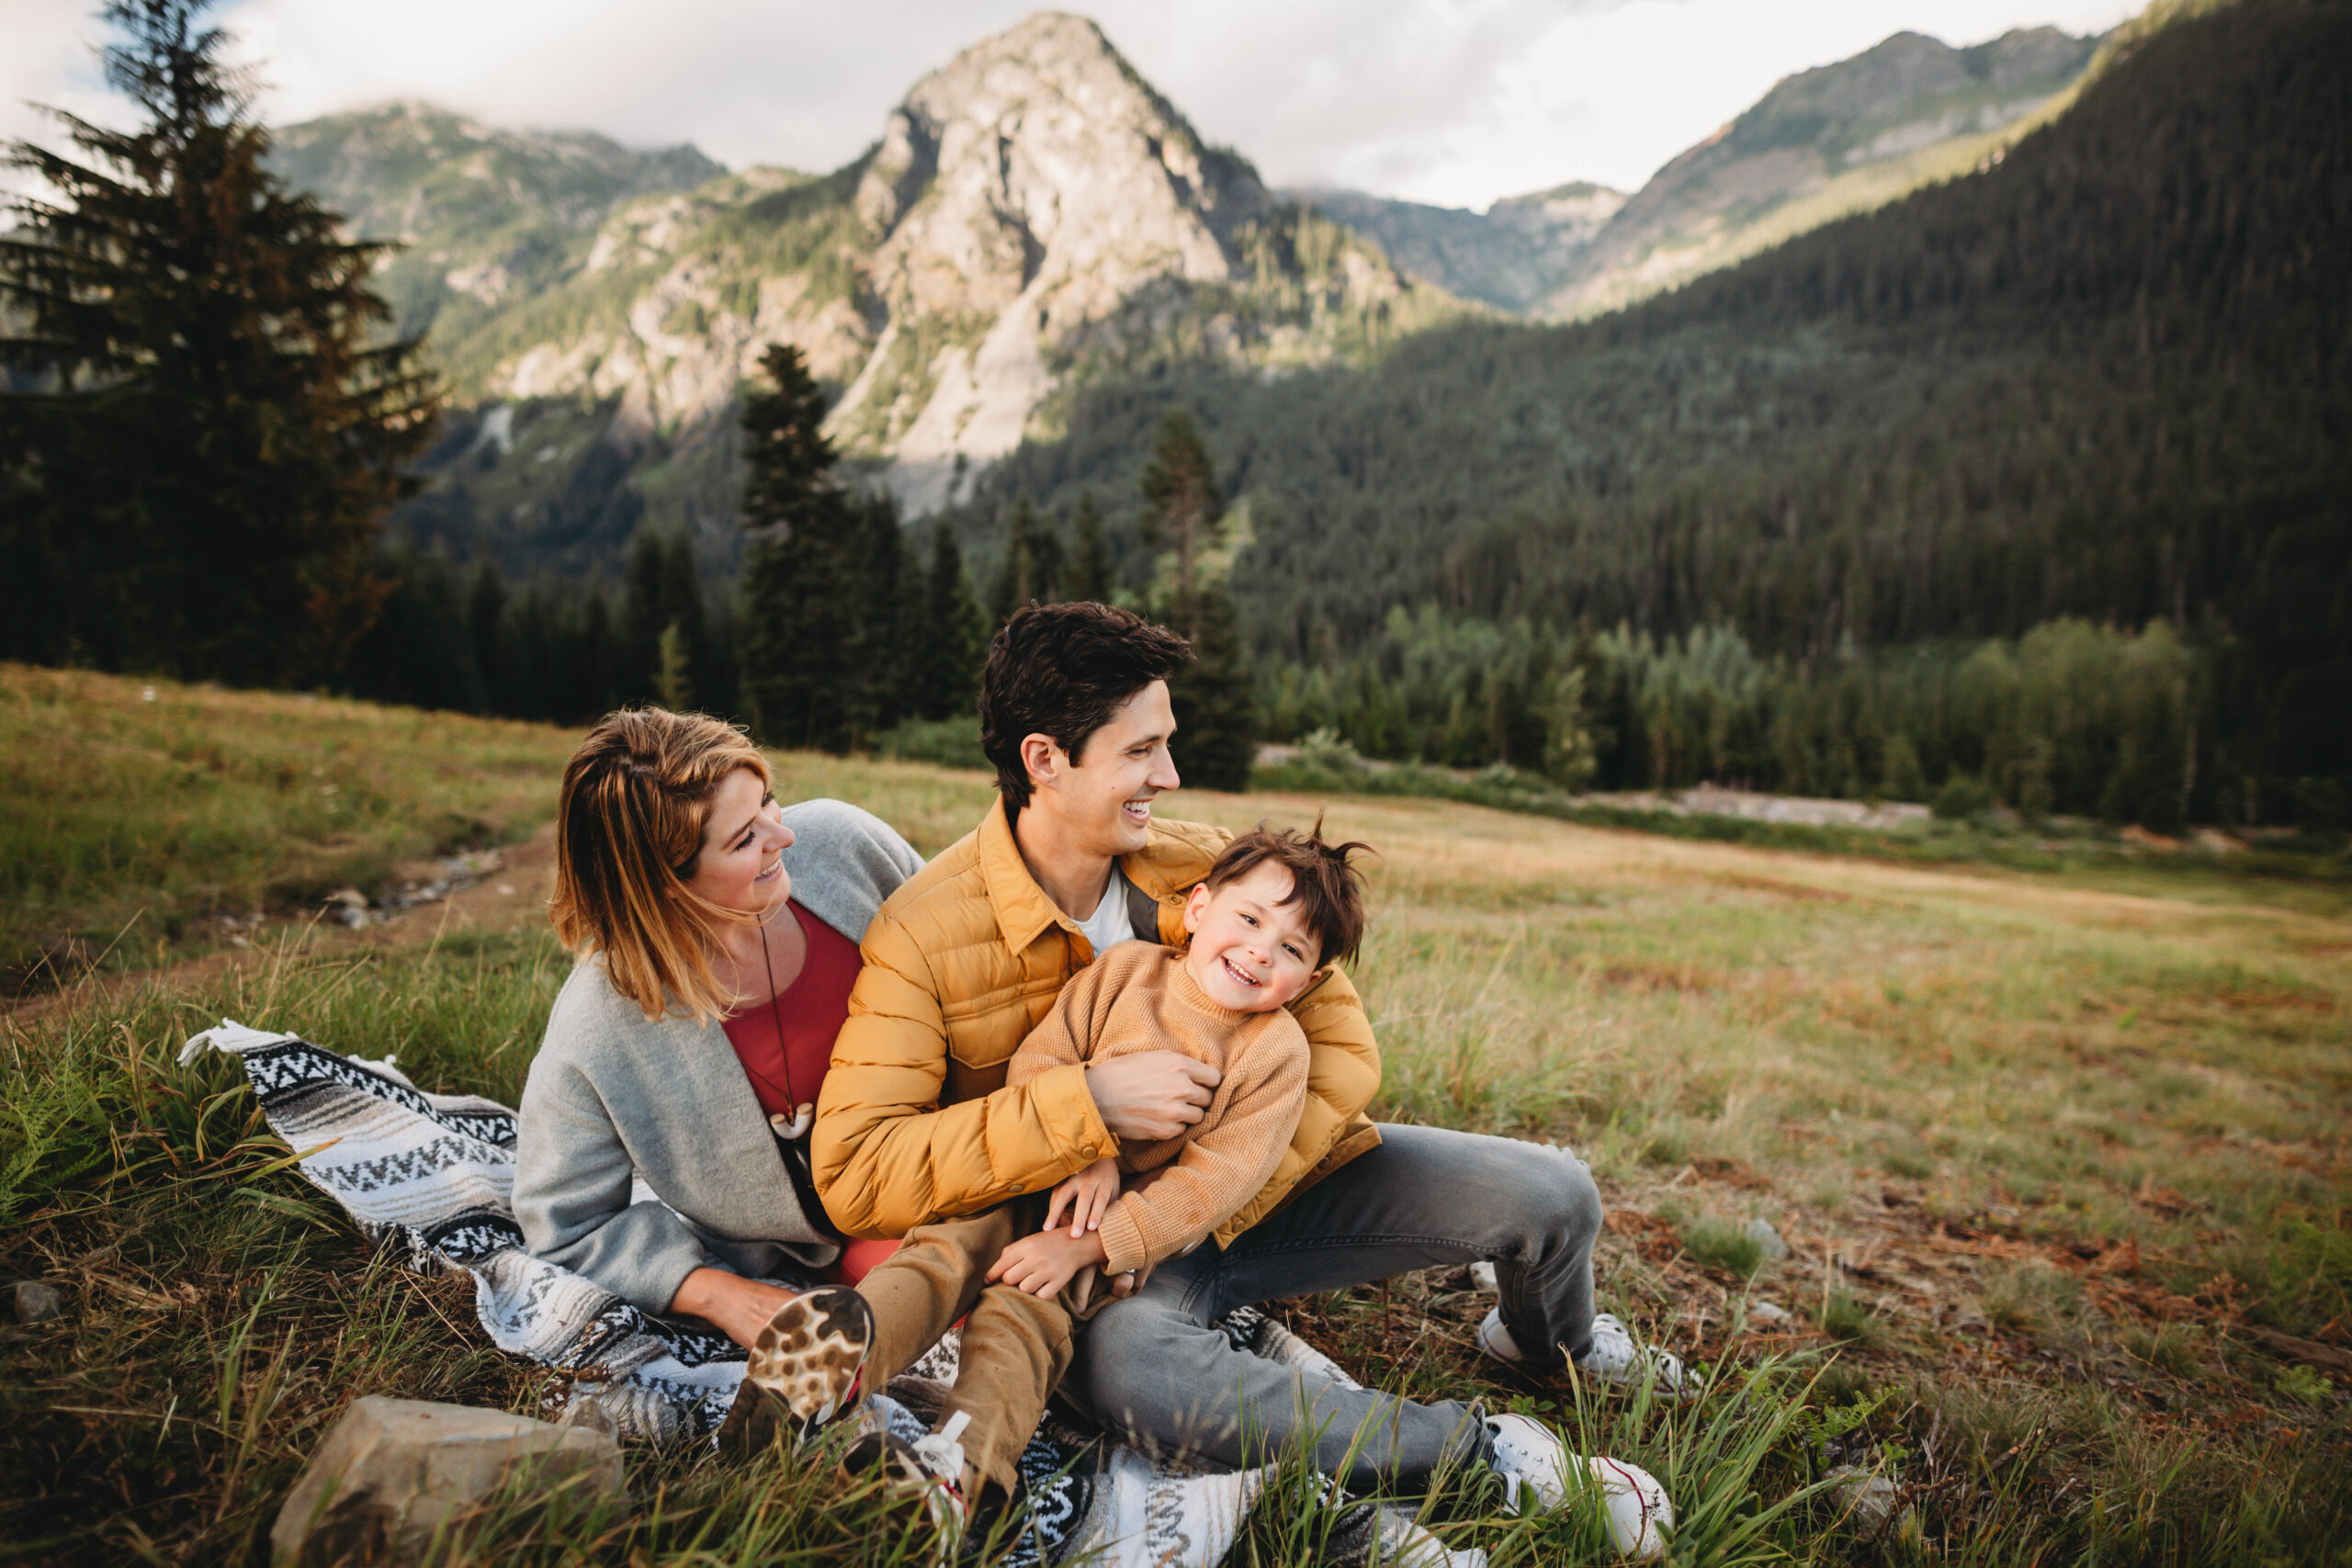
(1151, 1096)
(1043, 1263)
(737, 1307)
(1088, 1194)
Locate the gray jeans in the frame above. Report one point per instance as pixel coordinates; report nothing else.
(1152, 1370)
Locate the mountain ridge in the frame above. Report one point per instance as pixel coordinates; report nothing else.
(1821, 143)
(1034, 217)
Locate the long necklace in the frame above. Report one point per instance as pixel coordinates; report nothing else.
(804, 1115)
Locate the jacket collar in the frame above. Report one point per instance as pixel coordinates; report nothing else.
(1022, 910)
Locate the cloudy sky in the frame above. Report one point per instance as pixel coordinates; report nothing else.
(1450, 101)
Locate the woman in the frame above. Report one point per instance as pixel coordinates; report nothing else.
(718, 937)
(661, 1148)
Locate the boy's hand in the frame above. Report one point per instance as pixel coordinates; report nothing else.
(1087, 1193)
(1043, 1263)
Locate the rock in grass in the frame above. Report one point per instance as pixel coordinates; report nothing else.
(1767, 1240)
(1767, 1315)
(36, 1302)
(1870, 1500)
(394, 1469)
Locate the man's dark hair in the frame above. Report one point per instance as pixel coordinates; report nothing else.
(1329, 891)
(1059, 669)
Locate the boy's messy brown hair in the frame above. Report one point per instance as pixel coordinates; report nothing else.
(1322, 881)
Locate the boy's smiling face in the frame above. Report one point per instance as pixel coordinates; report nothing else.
(1251, 951)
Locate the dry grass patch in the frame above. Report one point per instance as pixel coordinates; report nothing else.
(2062, 1171)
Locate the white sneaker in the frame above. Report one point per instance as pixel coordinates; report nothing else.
(1639, 1511)
(942, 1454)
(930, 1469)
(1614, 1357)
(1527, 1454)
(1495, 1340)
(1617, 1358)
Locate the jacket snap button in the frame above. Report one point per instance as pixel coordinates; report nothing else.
(1088, 1151)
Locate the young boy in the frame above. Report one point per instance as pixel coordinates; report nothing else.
(1274, 908)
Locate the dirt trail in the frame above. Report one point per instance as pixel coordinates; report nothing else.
(512, 895)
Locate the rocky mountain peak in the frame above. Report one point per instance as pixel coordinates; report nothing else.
(1039, 156)
(1036, 179)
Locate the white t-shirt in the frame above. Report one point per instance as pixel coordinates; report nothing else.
(1110, 923)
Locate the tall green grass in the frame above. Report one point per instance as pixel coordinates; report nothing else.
(124, 800)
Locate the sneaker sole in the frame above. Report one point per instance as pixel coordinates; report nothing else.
(803, 1370)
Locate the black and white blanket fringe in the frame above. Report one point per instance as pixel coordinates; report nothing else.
(433, 1174)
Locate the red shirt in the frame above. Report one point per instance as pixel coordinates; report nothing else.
(788, 1067)
(785, 1069)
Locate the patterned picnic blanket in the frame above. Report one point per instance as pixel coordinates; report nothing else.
(433, 1174)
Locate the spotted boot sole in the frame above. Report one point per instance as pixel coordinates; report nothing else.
(804, 1369)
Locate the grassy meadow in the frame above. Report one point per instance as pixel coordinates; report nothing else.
(136, 813)
(2061, 1167)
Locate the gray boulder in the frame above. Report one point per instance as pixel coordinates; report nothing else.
(392, 1469)
(1871, 1502)
(1767, 1240)
(36, 1302)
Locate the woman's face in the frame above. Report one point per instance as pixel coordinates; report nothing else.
(742, 865)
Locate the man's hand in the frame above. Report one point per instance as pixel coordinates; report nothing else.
(1087, 1193)
(1151, 1096)
(737, 1307)
(1043, 1263)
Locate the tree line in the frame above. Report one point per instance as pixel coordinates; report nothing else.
(2071, 718)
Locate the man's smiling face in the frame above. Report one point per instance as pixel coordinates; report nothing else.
(1103, 799)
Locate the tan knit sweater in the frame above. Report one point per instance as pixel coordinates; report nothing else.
(1139, 996)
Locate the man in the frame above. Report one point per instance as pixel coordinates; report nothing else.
(915, 1121)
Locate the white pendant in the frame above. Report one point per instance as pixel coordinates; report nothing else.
(796, 1125)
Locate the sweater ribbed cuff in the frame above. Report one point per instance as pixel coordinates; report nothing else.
(1123, 1247)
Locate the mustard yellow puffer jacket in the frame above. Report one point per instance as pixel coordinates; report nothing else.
(914, 1121)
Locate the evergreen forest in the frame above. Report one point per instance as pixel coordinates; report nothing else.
(2034, 487)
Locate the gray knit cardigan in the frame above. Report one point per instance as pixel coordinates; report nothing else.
(615, 1098)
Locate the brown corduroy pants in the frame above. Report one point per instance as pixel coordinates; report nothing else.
(1016, 1346)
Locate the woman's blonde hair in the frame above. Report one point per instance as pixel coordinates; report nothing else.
(628, 834)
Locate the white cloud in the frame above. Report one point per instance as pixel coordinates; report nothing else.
(1453, 101)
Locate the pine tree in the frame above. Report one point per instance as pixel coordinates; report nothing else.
(1217, 719)
(486, 632)
(644, 616)
(955, 640)
(1089, 569)
(661, 597)
(218, 418)
(801, 582)
(674, 684)
(1179, 492)
(418, 650)
(1032, 569)
(890, 595)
